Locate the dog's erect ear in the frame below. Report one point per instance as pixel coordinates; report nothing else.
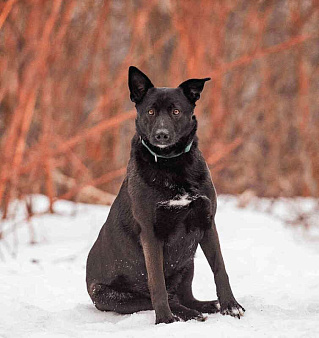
(138, 84)
(192, 88)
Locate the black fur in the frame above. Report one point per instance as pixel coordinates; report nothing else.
(143, 256)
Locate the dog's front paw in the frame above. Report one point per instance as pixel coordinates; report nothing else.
(232, 308)
(166, 319)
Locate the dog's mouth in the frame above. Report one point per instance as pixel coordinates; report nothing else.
(162, 146)
(171, 150)
(165, 149)
(168, 140)
(160, 149)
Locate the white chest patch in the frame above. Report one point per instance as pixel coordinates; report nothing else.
(178, 201)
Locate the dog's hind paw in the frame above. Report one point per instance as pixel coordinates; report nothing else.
(185, 313)
(232, 308)
(192, 314)
(167, 319)
(210, 307)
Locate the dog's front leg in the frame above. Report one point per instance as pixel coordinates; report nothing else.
(211, 248)
(153, 253)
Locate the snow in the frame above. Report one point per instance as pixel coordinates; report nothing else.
(273, 270)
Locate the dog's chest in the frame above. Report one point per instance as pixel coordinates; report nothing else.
(180, 248)
(180, 215)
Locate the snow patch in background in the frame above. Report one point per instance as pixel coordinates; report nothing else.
(273, 270)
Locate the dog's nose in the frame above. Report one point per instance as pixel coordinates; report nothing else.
(162, 135)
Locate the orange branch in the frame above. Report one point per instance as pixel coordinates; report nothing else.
(6, 10)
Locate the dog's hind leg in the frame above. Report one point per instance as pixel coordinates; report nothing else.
(186, 298)
(106, 298)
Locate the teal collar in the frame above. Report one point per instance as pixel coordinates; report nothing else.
(186, 150)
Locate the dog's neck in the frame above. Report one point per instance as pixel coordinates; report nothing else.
(186, 150)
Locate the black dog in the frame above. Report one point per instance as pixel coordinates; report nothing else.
(143, 258)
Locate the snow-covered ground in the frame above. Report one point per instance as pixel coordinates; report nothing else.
(273, 270)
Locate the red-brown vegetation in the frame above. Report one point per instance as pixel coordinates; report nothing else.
(65, 116)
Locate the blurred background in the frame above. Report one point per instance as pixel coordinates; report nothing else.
(66, 120)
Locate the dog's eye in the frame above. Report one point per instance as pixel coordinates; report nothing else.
(176, 111)
(151, 112)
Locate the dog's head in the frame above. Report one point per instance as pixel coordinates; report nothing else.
(165, 116)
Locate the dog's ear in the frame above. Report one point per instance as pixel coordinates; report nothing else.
(138, 84)
(192, 88)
